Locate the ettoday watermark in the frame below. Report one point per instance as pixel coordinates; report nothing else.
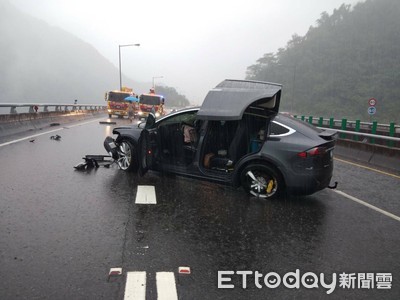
(308, 280)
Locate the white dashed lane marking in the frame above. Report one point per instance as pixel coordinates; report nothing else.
(146, 194)
(166, 287)
(135, 288)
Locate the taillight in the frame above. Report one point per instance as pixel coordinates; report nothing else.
(302, 154)
(312, 152)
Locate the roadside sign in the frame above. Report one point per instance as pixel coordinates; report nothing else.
(371, 110)
(372, 102)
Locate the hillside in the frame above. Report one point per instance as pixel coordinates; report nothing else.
(46, 64)
(346, 59)
(41, 63)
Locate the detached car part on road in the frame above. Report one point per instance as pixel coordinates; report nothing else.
(235, 137)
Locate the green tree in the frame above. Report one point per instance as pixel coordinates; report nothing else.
(172, 97)
(347, 58)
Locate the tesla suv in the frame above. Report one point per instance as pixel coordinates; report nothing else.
(237, 137)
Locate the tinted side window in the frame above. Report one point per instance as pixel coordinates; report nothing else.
(277, 129)
(186, 117)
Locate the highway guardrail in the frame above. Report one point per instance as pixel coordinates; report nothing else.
(366, 132)
(15, 108)
(16, 118)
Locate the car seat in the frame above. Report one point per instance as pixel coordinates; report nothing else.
(240, 142)
(237, 149)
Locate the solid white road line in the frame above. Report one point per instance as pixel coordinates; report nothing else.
(390, 215)
(146, 194)
(166, 287)
(367, 168)
(29, 137)
(135, 288)
(42, 133)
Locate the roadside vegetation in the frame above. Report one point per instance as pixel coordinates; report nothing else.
(172, 97)
(343, 61)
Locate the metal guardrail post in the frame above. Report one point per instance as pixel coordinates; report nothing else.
(321, 121)
(357, 129)
(13, 110)
(331, 122)
(373, 131)
(302, 118)
(344, 125)
(391, 133)
(310, 119)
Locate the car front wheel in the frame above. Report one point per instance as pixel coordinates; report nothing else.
(126, 156)
(261, 181)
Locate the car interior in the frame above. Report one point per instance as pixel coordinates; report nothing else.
(227, 142)
(177, 139)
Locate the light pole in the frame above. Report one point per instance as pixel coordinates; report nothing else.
(155, 77)
(119, 56)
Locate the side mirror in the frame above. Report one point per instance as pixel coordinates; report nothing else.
(151, 120)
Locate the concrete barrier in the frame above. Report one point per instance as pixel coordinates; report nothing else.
(375, 155)
(25, 122)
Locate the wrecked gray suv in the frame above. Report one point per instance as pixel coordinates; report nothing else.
(236, 137)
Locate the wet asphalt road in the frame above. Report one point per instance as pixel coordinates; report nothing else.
(62, 230)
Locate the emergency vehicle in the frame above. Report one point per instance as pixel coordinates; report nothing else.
(116, 103)
(151, 102)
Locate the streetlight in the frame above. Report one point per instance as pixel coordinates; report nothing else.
(119, 52)
(155, 77)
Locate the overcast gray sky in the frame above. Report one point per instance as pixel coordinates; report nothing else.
(194, 45)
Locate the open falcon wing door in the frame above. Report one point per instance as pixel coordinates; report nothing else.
(231, 98)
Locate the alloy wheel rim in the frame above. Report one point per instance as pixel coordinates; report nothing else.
(261, 185)
(124, 160)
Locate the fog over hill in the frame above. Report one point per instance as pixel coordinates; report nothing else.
(42, 63)
(349, 57)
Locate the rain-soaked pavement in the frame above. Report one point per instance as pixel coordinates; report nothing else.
(62, 230)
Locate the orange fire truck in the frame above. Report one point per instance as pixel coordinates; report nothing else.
(116, 103)
(151, 102)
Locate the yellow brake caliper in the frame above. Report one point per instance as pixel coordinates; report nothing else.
(270, 186)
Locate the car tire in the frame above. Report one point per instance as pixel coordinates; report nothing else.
(261, 181)
(127, 158)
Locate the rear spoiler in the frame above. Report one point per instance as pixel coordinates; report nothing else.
(328, 134)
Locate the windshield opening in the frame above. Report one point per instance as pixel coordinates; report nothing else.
(150, 100)
(117, 97)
